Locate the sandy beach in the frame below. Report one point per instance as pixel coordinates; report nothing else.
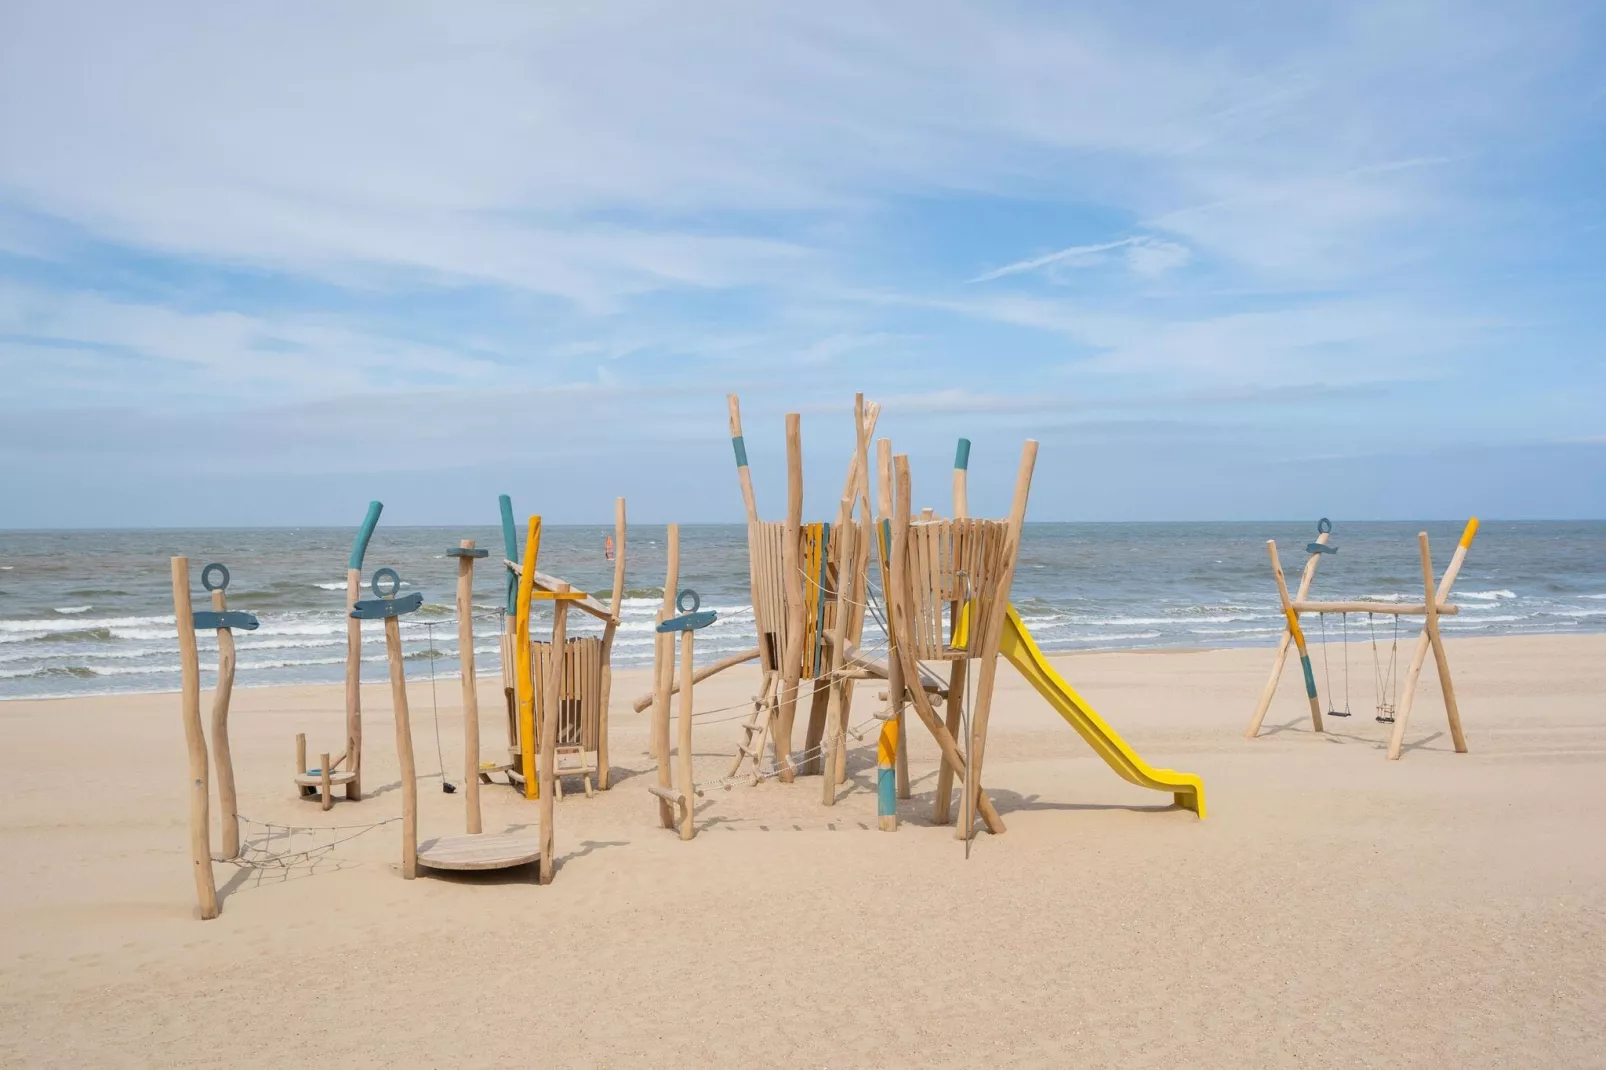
(1335, 909)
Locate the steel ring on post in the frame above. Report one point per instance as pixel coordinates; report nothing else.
(385, 573)
(1323, 526)
(206, 577)
(680, 601)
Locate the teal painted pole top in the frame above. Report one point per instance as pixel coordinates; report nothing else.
(741, 450)
(510, 544)
(962, 454)
(359, 546)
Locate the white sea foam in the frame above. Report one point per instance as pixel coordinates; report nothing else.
(1486, 596)
(71, 610)
(341, 586)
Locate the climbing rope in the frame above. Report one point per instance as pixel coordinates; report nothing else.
(261, 856)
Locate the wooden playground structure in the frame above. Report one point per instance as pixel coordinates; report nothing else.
(944, 597)
(317, 782)
(574, 689)
(1391, 709)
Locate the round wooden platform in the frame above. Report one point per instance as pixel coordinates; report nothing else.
(312, 780)
(490, 850)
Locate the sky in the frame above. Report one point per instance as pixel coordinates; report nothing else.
(260, 263)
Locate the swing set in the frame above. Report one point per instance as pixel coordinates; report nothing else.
(1387, 687)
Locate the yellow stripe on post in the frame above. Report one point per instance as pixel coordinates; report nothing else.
(1470, 533)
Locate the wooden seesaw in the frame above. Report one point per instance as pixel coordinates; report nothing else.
(475, 851)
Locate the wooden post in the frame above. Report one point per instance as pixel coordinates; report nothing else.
(740, 447)
(664, 664)
(941, 812)
(961, 480)
(1283, 644)
(861, 563)
(1292, 616)
(195, 741)
(471, 696)
(549, 727)
(792, 584)
(886, 491)
(603, 775)
(834, 747)
(301, 754)
(988, 656)
(325, 792)
(510, 609)
(404, 748)
(900, 606)
(359, 548)
(1423, 641)
(227, 802)
(683, 752)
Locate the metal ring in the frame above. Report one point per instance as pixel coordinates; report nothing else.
(680, 601)
(206, 577)
(1323, 526)
(395, 582)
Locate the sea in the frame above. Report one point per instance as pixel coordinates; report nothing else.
(91, 612)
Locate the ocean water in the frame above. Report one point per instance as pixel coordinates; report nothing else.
(85, 612)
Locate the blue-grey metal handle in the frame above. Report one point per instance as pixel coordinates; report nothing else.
(359, 545)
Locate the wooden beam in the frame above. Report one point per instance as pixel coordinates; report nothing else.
(404, 747)
(683, 751)
(604, 777)
(1283, 643)
(643, 701)
(739, 444)
(1292, 616)
(1389, 608)
(471, 697)
(1419, 656)
(549, 733)
(792, 584)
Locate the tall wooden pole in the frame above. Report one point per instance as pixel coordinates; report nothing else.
(603, 777)
(359, 548)
(523, 657)
(1419, 656)
(549, 728)
(961, 480)
(791, 566)
(471, 695)
(227, 802)
(511, 679)
(941, 812)
(1283, 644)
(739, 446)
(404, 747)
(663, 675)
(683, 752)
(195, 741)
(987, 672)
(834, 747)
(1292, 616)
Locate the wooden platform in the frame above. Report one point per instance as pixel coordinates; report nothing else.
(313, 780)
(491, 850)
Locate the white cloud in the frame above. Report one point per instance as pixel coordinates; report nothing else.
(1143, 256)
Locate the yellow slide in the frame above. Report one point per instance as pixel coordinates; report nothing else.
(1024, 654)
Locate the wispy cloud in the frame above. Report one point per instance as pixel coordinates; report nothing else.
(1143, 256)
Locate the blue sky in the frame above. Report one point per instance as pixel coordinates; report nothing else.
(259, 264)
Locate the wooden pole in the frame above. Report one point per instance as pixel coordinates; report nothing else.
(942, 812)
(792, 582)
(1419, 656)
(510, 609)
(195, 741)
(987, 672)
(359, 548)
(860, 575)
(683, 752)
(227, 802)
(549, 728)
(471, 696)
(961, 480)
(739, 445)
(834, 747)
(326, 793)
(1441, 662)
(1283, 643)
(1384, 609)
(900, 607)
(1292, 616)
(301, 754)
(404, 747)
(643, 701)
(604, 777)
(664, 666)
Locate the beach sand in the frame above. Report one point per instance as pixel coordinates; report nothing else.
(1335, 909)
